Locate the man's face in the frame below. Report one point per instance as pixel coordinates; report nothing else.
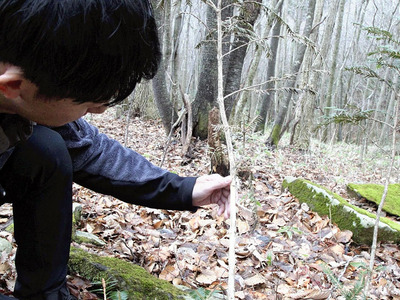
(55, 112)
(21, 97)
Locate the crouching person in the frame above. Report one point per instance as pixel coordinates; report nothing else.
(60, 60)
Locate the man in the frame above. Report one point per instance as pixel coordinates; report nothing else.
(60, 60)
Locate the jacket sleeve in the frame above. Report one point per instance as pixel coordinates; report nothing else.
(105, 166)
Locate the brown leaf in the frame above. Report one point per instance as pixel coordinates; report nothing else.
(243, 226)
(254, 280)
(169, 273)
(206, 277)
(158, 224)
(194, 223)
(311, 294)
(344, 236)
(337, 251)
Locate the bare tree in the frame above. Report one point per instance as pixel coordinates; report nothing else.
(278, 129)
(249, 12)
(270, 85)
(159, 82)
(333, 68)
(304, 111)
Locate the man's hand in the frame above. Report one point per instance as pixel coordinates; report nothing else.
(213, 189)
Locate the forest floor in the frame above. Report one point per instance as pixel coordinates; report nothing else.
(284, 250)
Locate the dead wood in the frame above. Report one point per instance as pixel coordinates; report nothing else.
(219, 160)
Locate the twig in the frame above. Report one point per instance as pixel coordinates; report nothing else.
(189, 131)
(103, 283)
(128, 118)
(232, 230)
(170, 135)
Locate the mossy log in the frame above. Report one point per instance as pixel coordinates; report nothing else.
(129, 277)
(373, 192)
(342, 213)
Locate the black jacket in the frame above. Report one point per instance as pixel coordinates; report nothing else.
(105, 166)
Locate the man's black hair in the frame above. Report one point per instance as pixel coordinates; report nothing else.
(87, 50)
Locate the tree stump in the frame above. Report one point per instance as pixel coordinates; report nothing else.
(219, 160)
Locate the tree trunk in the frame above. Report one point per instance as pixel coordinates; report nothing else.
(276, 133)
(206, 95)
(332, 79)
(219, 161)
(160, 87)
(304, 112)
(389, 112)
(270, 85)
(249, 14)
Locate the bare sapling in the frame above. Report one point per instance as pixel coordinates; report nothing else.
(232, 163)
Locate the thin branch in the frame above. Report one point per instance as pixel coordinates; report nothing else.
(170, 135)
(251, 87)
(382, 122)
(188, 108)
(198, 19)
(211, 4)
(233, 196)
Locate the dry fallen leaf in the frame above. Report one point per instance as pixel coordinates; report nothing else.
(206, 277)
(344, 236)
(311, 294)
(169, 273)
(254, 280)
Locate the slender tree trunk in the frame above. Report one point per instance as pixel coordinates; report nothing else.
(389, 112)
(304, 111)
(232, 163)
(270, 85)
(159, 82)
(276, 133)
(249, 14)
(206, 95)
(332, 79)
(174, 60)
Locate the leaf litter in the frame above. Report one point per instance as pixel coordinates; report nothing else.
(284, 250)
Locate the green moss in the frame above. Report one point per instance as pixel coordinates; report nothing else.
(275, 135)
(84, 237)
(374, 192)
(10, 228)
(345, 215)
(131, 278)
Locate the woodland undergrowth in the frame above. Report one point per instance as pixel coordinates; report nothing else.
(284, 250)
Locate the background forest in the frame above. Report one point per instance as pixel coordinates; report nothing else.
(289, 66)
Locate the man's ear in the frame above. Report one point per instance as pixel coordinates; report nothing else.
(10, 82)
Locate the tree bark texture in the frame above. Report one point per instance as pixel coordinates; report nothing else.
(304, 111)
(206, 95)
(159, 82)
(219, 161)
(248, 15)
(276, 133)
(270, 85)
